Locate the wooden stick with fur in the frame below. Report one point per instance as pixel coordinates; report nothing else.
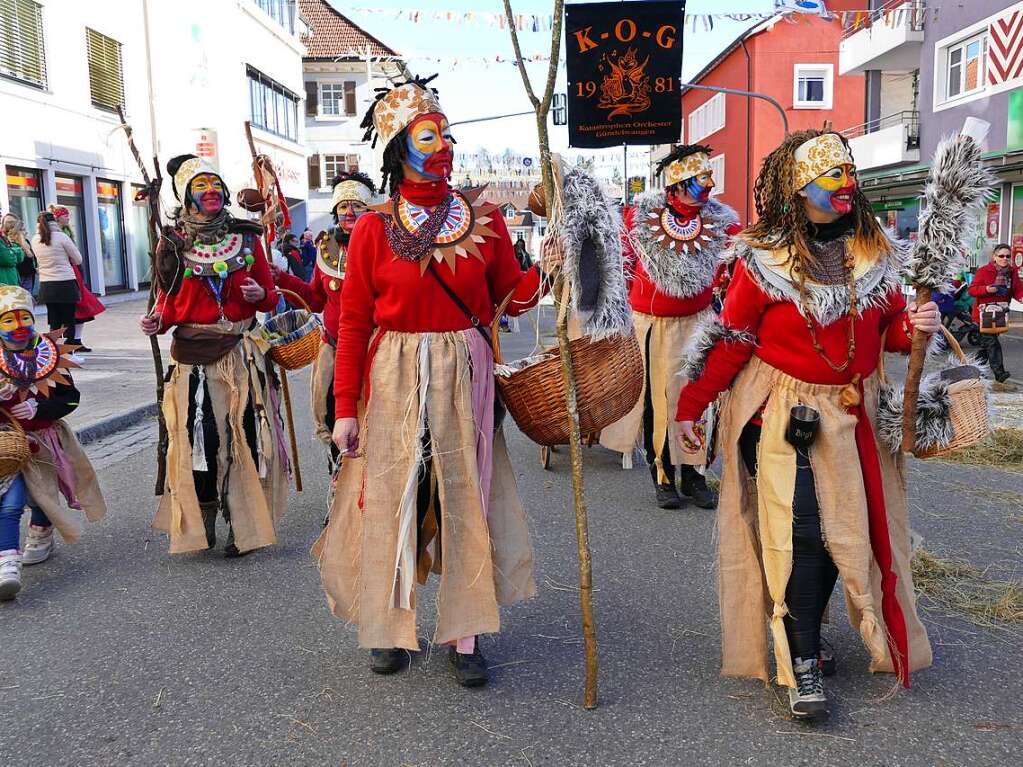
(542, 107)
(954, 197)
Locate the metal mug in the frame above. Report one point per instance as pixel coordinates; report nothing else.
(804, 422)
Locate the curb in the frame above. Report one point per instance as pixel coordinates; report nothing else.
(115, 423)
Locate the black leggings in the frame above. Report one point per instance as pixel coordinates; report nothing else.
(813, 573)
(62, 315)
(206, 484)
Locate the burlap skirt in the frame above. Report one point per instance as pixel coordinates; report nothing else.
(662, 361)
(755, 525)
(42, 480)
(321, 390)
(487, 555)
(255, 495)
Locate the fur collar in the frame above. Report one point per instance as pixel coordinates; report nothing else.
(680, 275)
(827, 303)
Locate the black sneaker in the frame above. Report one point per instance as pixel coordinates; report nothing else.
(694, 485)
(83, 348)
(807, 699)
(470, 670)
(668, 497)
(388, 661)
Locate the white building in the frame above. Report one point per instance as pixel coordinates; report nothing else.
(343, 66)
(196, 69)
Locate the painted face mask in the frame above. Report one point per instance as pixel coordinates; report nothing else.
(207, 193)
(833, 191)
(348, 213)
(17, 329)
(699, 187)
(429, 146)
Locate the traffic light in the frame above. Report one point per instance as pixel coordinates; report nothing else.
(560, 111)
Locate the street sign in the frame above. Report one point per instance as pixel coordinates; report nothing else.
(560, 109)
(527, 161)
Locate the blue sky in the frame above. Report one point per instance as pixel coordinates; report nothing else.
(469, 90)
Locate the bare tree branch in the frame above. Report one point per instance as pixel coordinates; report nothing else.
(518, 55)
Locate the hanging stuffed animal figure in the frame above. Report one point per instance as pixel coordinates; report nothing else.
(40, 457)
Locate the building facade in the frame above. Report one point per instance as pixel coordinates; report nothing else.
(185, 86)
(794, 60)
(342, 67)
(927, 73)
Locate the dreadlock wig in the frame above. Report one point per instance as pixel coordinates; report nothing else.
(677, 157)
(781, 215)
(387, 121)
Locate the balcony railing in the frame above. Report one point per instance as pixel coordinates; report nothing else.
(892, 13)
(908, 118)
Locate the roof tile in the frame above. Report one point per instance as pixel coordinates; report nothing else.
(335, 35)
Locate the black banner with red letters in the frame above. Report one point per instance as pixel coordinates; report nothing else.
(624, 69)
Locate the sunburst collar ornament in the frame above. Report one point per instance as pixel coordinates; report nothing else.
(40, 371)
(461, 233)
(679, 236)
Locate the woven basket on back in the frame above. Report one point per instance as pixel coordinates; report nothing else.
(608, 382)
(968, 409)
(14, 449)
(294, 335)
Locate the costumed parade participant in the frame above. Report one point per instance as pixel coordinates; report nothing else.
(814, 301)
(353, 192)
(426, 483)
(226, 449)
(37, 391)
(675, 239)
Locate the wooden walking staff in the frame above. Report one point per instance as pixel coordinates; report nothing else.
(261, 167)
(151, 194)
(954, 197)
(542, 107)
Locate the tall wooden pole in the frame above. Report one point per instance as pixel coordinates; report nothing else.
(542, 107)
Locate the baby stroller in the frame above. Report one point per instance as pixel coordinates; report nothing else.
(956, 319)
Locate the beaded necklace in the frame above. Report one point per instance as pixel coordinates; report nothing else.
(413, 246)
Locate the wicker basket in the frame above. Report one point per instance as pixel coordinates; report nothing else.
(296, 332)
(968, 409)
(14, 449)
(608, 380)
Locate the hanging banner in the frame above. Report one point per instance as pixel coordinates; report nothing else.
(624, 68)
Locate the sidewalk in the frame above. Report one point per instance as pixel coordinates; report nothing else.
(117, 379)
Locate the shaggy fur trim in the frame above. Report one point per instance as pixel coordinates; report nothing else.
(828, 303)
(933, 410)
(709, 334)
(591, 228)
(681, 275)
(954, 196)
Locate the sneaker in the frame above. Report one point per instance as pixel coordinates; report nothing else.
(388, 661)
(668, 497)
(694, 485)
(39, 545)
(10, 574)
(807, 699)
(82, 348)
(470, 670)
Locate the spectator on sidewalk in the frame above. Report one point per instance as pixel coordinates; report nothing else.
(996, 282)
(308, 248)
(57, 465)
(13, 228)
(88, 307)
(56, 255)
(293, 254)
(11, 255)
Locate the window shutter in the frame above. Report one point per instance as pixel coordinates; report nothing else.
(314, 172)
(22, 53)
(312, 100)
(349, 97)
(106, 81)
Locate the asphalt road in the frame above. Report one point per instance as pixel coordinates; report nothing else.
(119, 654)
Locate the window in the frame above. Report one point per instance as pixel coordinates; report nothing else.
(337, 98)
(812, 86)
(965, 67)
(22, 54)
(274, 108)
(106, 79)
(707, 118)
(333, 164)
(717, 164)
(281, 11)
